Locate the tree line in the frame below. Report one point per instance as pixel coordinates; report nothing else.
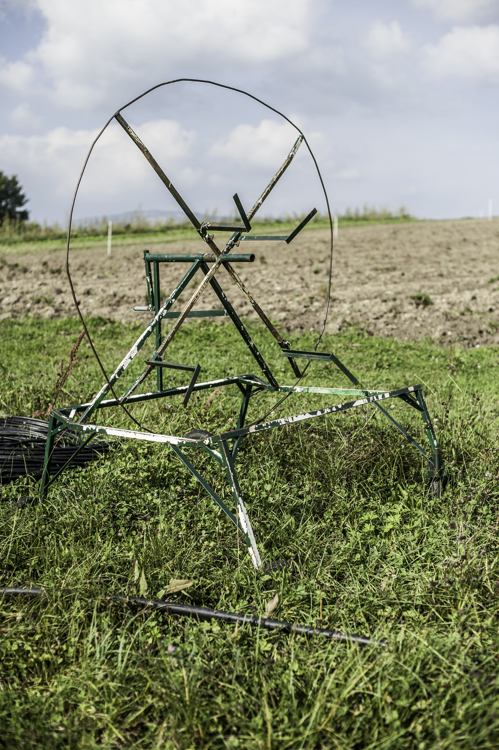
(12, 199)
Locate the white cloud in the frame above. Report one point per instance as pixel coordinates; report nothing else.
(17, 76)
(469, 52)
(349, 173)
(461, 11)
(89, 46)
(264, 145)
(117, 172)
(19, 6)
(384, 40)
(22, 117)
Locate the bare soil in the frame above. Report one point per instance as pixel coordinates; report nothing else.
(404, 281)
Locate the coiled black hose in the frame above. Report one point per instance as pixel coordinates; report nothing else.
(22, 448)
(204, 613)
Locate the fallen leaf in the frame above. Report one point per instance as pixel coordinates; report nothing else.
(143, 584)
(136, 571)
(272, 605)
(176, 584)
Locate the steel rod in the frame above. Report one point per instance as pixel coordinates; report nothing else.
(205, 613)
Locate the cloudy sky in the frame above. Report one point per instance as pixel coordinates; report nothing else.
(398, 99)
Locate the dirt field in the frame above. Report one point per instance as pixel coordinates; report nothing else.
(376, 272)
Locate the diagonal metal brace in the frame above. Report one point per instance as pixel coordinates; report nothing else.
(199, 228)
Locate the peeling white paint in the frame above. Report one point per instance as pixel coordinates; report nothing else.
(246, 526)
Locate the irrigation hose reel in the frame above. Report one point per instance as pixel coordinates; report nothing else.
(213, 266)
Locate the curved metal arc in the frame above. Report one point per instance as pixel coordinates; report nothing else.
(71, 212)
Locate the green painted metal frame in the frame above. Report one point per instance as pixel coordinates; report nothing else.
(222, 448)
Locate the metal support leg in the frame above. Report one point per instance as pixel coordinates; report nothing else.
(157, 297)
(68, 462)
(239, 520)
(238, 499)
(437, 472)
(241, 419)
(47, 461)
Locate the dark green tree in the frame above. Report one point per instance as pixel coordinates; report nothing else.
(12, 199)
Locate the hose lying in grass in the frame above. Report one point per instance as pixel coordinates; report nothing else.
(203, 613)
(22, 448)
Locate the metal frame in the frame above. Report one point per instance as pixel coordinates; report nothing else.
(221, 448)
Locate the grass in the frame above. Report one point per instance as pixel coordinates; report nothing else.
(25, 236)
(342, 496)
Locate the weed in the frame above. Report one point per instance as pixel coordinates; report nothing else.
(45, 299)
(421, 299)
(323, 291)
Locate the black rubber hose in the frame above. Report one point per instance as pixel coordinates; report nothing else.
(204, 613)
(22, 449)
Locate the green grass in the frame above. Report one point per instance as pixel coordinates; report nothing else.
(31, 236)
(343, 496)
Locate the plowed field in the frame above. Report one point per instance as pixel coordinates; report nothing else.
(405, 281)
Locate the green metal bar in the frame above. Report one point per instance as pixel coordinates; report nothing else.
(58, 430)
(178, 391)
(288, 238)
(208, 257)
(150, 292)
(310, 415)
(344, 370)
(242, 212)
(306, 355)
(47, 460)
(243, 517)
(207, 487)
(262, 237)
(301, 225)
(325, 357)
(227, 227)
(438, 470)
(331, 391)
(241, 419)
(242, 330)
(169, 302)
(157, 298)
(128, 359)
(191, 385)
(215, 226)
(410, 400)
(401, 429)
(214, 454)
(244, 407)
(59, 471)
(285, 346)
(250, 379)
(170, 365)
(427, 422)
(200, 314)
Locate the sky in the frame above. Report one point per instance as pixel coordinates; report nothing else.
(397, 98)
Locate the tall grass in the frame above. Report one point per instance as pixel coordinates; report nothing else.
(13, 232)
(343, 497)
